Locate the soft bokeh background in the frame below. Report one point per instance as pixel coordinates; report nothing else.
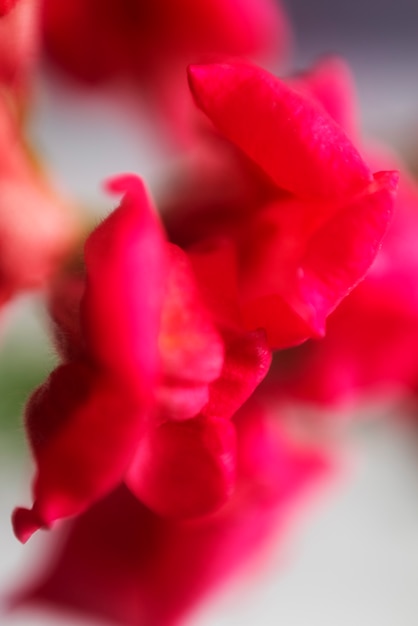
(354, 559)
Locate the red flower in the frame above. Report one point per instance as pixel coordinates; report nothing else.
(149, 43)
(123, 562)
(167, 344)
(137, 38)
(147, 387)
(372, 338)
(319, 214)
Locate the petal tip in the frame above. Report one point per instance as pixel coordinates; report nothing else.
(124, 183)
(25, 523)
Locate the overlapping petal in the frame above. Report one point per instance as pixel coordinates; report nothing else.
(297, 256)
(288, 135)
(185, 469)
(149, 381)
(84, 433)
(321, 262)
(99, 405)
(120, 559)
(372, 338)
(126, 270)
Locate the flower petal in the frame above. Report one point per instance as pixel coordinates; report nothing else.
(288, 135)
(301, 260)
(120, 561)
(247, 361)
(330, 82)
(126, 270)
(185, 469)
(84, 433)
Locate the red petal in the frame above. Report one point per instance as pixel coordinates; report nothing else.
(185, 469)
(84, 433)
(303, 262)
(215, 264)
(189, 344)
(288, 135)
(122, 562)
(340, 253)
(191, 349)
(6, 6)
(126, 272)
(371, 344)
(330, 82)
(247, 361)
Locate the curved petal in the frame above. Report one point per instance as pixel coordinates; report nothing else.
(289, 136)
(298, 270)
(331, 83)
(189, 343)
(185, 469)
(120, 561)
(84, 433)
(247, 361)
(191, 349)
(126, 271)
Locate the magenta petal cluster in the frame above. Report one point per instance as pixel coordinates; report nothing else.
(164, 343)
(146, 347)
(162, 436)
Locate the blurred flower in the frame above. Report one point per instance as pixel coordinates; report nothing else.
(19, 41)
(372, 338)
(37, 226)
(167, 343)
(122, 562)
(134, 37)
(141, 359)
(148, 43)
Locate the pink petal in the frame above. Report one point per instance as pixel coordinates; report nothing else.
(288, 135)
